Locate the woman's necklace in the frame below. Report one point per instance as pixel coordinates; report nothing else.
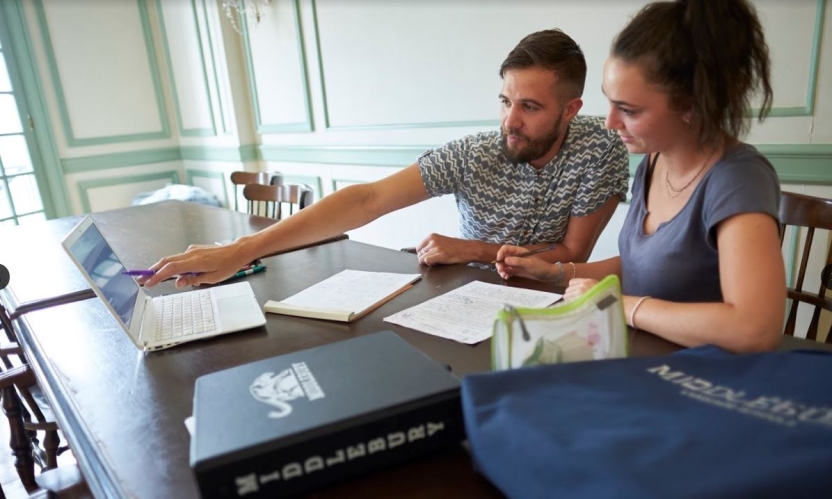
(674, 192)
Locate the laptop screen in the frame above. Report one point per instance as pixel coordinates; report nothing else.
(104, 269)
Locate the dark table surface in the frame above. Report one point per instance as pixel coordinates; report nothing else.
(123, 410)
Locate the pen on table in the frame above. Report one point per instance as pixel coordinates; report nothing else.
(532, 252)
(245, 272)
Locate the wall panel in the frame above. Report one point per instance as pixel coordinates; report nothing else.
(277, 70)
(102, 63)
(117, 192)
(187, 68)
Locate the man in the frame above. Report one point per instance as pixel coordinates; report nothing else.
(547, 176)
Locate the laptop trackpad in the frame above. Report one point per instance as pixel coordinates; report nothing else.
(238, 312)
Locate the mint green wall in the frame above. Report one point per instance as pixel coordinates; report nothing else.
(795, 164)
(66, 169)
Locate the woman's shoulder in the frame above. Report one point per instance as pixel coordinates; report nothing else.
(743, 180)
(744, 163)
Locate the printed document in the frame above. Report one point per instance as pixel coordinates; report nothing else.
(467, 314)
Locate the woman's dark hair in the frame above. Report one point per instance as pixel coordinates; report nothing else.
(709, 55)
(554, 50)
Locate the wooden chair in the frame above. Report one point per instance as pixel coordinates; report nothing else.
(29, 413)
(53, 482)
(809, 213)
(245, 178)
(34, 413)
(270, 200)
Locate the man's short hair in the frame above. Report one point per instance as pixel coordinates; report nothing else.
(551, 49)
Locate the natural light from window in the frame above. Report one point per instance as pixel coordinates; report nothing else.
(20, 201)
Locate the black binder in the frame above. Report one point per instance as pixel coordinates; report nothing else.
(301, 421)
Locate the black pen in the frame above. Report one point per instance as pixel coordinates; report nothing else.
(530, 253)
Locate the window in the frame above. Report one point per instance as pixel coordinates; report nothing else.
(20, 200)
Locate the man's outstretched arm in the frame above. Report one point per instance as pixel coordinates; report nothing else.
(344, 210)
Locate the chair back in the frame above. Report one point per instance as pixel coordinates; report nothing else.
(275, 201)
(244, 178)
(807, 213)
(298, 196)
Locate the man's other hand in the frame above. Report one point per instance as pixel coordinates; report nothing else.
(437, 249)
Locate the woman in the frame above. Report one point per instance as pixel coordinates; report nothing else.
(700, 257)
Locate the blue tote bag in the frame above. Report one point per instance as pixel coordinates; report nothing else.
(700, 423)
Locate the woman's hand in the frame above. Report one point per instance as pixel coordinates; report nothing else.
(530, 266)
(200, 264)
(577, 287)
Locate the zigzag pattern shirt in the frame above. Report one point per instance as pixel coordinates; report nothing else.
(502, 202)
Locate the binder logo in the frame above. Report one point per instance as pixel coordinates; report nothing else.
(278, 389)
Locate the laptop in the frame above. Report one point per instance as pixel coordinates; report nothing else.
(153, 323)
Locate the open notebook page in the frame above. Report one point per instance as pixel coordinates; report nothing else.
(344, 296)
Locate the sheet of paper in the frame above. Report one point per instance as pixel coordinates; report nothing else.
(467, 314)
(351, 290)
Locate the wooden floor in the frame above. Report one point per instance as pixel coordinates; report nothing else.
(12, 486)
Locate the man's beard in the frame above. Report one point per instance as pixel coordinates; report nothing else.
(533, 149)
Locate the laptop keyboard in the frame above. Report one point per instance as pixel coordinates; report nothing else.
(184, 314)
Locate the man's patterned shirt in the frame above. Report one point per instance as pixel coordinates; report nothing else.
(502, 202)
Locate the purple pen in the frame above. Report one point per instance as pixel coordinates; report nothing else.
(146, 272)
(150, 272)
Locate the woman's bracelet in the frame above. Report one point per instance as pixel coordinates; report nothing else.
(632, 322)
(561, 274)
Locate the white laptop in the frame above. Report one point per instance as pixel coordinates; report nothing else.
(163, 321)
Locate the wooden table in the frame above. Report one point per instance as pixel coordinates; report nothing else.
(123, 410)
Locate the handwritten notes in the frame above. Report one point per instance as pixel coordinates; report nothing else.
(466, 314)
